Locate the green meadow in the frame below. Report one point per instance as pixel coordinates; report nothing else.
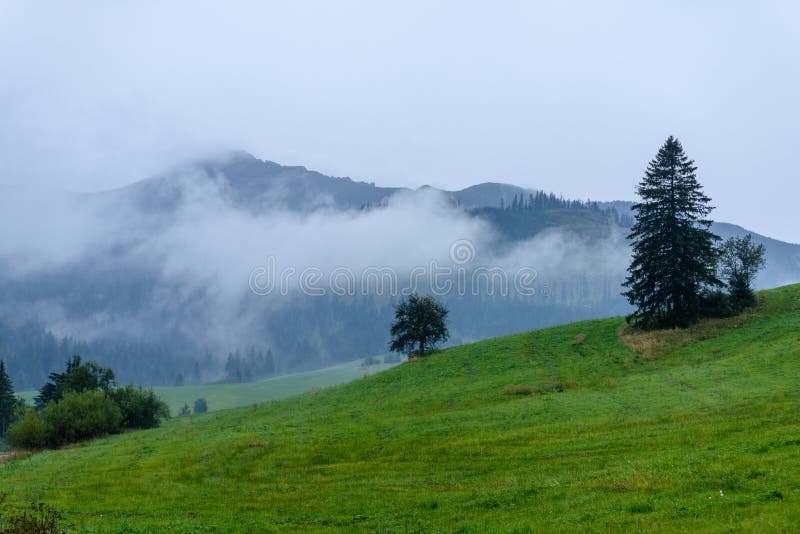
(583, 427)
(225, 396)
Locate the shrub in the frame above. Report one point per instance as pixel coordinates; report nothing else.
(79, 416)
(29, 432)
(185, 410)
(717, 304)
(39, 519)
(139, 408)
(200, 406)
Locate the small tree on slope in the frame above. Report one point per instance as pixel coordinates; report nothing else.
(674, 253)
(740, 261)
(420, 323)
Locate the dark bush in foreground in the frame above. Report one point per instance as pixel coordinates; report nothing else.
(38, 519)
(717, 304)
(80, 416)
(139, 408)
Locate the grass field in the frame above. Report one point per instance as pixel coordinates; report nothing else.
(225, 396)
(562, 429)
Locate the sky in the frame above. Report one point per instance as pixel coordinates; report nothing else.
(571, 97)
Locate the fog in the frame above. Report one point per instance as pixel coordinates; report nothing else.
(199, 256)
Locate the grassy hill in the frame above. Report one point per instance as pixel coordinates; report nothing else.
(583, 427)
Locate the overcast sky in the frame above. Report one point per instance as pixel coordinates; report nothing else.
(571, 97)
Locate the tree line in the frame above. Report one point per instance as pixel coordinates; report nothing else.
(31, 352)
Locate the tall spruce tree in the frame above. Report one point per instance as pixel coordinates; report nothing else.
(7, 399)
(674, 252)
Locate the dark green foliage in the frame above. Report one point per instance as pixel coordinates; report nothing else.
(85, 415)
(80, 416)
(7, 400)
(740, 261)
(674, 255)
(545, 201)
(716, 303)
(38, 519)
(20, 407)
(200, 406)
(78, 377)
(420, 323)
(29, 431)
(140, 408)
(81, 403)
(185, 410)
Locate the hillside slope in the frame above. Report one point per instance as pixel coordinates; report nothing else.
(559, 429)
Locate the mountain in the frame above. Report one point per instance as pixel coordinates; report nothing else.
(584, 427)
(258, 185)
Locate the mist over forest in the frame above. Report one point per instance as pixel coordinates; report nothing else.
(160, 279)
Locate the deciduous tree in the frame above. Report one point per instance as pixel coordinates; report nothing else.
(420, 323)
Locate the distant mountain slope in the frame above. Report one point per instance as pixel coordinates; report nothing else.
(255, 185)
(261, 184)
(488, 194)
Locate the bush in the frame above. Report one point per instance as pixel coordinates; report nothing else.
(29, 432)
(200, 406)
(717, 304)
(40, 519)
(139, 408)
(79, 416)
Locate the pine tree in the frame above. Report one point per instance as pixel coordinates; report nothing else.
(7, 399)
(674, 253)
